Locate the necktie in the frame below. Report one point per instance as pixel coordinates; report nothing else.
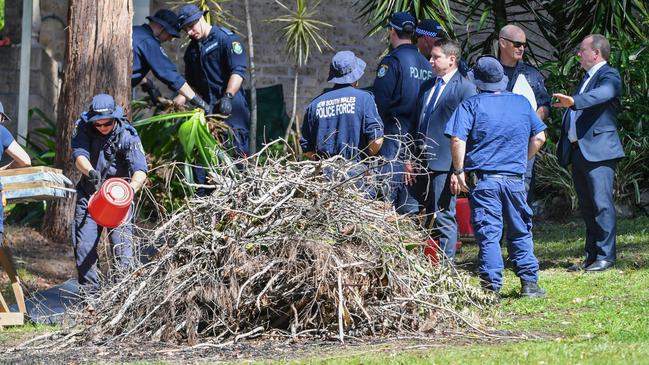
(583, 82)
(431, 104)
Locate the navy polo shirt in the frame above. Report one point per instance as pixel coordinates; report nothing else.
(210, 62)
(497, 128)
(148, 55)
(341, 122)
(399, 78)
(534, 78)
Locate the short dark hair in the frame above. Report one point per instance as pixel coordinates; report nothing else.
(602, 44)
(449, 47)
(406, 33)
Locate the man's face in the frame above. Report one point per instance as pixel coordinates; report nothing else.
(195, 31)
(588, 56)
(164, 36)
(105, 126)
(513, 46)
(440, 62)
(425, 44)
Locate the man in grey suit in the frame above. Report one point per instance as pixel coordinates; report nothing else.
(590, 142)
(438, 100)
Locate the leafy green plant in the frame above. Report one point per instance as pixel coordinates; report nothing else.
(377, 12)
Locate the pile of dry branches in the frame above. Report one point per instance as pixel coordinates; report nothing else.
(293, 248)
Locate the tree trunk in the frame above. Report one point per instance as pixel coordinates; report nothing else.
(294, 112)
(253, 82)
(97, 60)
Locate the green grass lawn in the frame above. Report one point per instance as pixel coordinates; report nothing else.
(594, 318)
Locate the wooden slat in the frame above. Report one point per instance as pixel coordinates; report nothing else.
(29, 170)
(30, 185)
(12, 319)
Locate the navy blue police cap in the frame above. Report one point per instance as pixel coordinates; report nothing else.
(429, 28)
(168, 20)
(2, 112)
(488, 74)
(103, 107)
(345, 68)
(189, 14)
(401, 20)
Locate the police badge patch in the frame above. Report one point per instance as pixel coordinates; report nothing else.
(383, 69)
(236, 48)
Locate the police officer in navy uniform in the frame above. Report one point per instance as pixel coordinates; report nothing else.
(493, 134)
(511, 45)
(215, 66)
(104, 145)
(345, 120)
(20, 159)
(399, 78)
(148, 55)
(428, 31)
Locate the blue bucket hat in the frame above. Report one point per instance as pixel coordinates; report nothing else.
(400, 20)
(345, 68)
(103, 107)
(488, 74)
(189, 14)
(2, 112)
(429, 28)
(168, 20)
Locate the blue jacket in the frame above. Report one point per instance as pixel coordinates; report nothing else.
(210, 62)
(399, 78)
(118, 154)
(6, 139)
(497, 128)
(341, 122)
(433, 146)
(534, 78)
(595, 119)
(148, 55)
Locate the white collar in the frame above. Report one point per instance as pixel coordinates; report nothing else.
(593, 70)
(448, 76)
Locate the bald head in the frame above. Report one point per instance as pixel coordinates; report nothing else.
(511, 31)
(511, 44)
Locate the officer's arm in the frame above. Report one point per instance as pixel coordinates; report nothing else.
(458, 150)
(234, 84)
(535, 145)
(137, 180)
(374, 146)
(307, 138)
(162, 67)
(386, 78)
(21, 158)
(542, 97)
(83, 165)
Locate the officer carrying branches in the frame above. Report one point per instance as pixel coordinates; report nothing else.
(498, 132)
(104, 145)
(148, 55)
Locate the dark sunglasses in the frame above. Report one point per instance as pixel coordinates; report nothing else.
(515, 43)
(107, 124)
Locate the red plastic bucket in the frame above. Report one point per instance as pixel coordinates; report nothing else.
(109, 205)
(432, 250)
(463, 215)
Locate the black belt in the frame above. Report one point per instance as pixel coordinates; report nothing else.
(501, 175)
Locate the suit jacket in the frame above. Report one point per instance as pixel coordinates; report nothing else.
(435, 148)
(595, 119)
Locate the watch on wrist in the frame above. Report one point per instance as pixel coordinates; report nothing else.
(458, 171)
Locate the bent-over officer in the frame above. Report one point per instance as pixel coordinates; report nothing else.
(498, 131)
(148, 55)
(343, 121)
(20, 159)
(399, 78)
(104, 145)
(215, 66)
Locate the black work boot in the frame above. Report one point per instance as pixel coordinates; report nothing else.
(531, 289)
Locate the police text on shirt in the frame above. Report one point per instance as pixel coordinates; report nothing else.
(420, 74)
(334, 107)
